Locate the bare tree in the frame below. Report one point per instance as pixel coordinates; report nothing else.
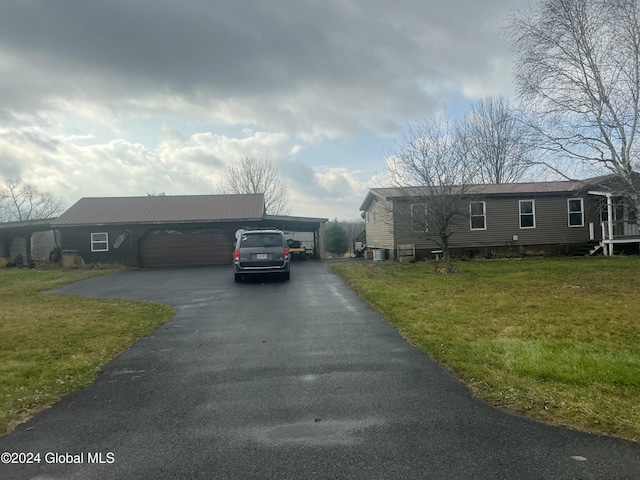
(578, 70)
(431, 168)
(24, 201)
(495, 138)
(254, 175)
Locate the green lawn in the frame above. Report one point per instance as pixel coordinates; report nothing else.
(54, 344)
(557, 340)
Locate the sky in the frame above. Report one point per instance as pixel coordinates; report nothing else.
(126, 98)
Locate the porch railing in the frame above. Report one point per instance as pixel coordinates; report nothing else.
(621, 229)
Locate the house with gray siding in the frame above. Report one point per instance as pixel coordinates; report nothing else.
(523, 218)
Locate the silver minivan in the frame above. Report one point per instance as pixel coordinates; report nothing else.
(261, 252)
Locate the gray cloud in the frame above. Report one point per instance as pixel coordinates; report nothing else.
(296, 64)
(123, 97)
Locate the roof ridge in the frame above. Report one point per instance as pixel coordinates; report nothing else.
(175, 196)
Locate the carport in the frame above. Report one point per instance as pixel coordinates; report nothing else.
(15, 237)
(299, 224)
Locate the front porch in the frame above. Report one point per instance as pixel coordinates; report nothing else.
(618, 224)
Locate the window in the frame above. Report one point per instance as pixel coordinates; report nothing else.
(477, 212)
(261, 240)
(99, 242)
(527, 214)
(371, 216)
(576, 212)
(419, 218)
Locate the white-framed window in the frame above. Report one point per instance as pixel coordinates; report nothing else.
(527, 214)
(371, 216)
(100, 242)
(575, 208)
(419, 218)
(478, 215)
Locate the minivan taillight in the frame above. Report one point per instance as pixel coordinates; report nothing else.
(286, 253)
(236, 254)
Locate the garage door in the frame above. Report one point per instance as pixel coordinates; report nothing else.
(179, 248)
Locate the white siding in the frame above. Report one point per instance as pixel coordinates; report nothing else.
(379, 224)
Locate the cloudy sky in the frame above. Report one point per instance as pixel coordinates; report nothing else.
(121, 97)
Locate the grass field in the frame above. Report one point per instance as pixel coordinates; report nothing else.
(54, 344)
(557, 340)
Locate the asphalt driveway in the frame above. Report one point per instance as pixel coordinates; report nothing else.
(286, 380)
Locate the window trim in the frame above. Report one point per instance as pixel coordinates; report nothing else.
(370, 216)
(581, 212)
(472, 216)
(104, 242)
(532, 214)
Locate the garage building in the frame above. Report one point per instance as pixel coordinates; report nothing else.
(168, 231)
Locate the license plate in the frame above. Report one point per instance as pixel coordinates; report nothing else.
(262, 256)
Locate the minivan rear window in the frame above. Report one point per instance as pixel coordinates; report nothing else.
(261, 240)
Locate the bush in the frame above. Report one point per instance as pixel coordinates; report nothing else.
(335, 240)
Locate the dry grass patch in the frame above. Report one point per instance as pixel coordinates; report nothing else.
(53, 344)
(555, 339)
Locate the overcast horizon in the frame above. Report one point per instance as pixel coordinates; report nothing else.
(126, 98)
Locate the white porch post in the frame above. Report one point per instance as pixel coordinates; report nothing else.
(610, 221)
(603, 231)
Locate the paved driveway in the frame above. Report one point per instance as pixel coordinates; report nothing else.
(295, 380)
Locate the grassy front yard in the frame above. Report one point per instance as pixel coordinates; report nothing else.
(557, 340)
(54, 344)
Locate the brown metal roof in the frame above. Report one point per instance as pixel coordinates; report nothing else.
(491, 189)
(505, 189)
(162, 209)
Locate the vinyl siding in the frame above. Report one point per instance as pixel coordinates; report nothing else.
(79, 239)
(379, 224)
(128, 253)
(503, 222)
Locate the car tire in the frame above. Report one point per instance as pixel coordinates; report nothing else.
(286, 276)
(238, 277)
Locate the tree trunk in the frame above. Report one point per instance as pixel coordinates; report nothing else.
(448, 267)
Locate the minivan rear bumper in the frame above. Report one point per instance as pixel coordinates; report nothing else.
(261, 267)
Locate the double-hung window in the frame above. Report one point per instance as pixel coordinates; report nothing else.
(100, 242)
(527, 214)
(576, 212)
(478, 215)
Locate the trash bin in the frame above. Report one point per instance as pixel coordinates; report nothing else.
(379, 254)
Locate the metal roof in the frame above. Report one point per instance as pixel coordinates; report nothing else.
(40, 222)
(287, 218)
(162, 209)
(504, 189)
(25, 227)
(299, 224)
